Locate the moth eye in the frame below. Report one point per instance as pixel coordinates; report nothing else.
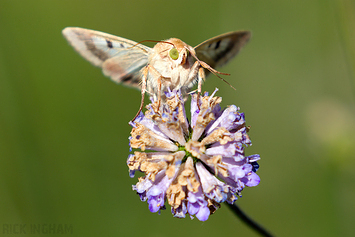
(174, 53)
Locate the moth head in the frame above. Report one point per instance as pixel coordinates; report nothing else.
(177, 52)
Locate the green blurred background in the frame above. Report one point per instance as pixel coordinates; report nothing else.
(64, 126)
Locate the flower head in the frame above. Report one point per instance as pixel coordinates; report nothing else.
(194, 165)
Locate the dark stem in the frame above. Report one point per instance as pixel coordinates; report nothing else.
(247, 220)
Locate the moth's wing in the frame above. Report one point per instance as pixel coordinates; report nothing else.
(218, 50)
(126, 67)
(120, 58)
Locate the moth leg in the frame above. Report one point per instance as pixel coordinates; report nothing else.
(144, 86)
(196, 74)
(201, 78)
(192, 92)
(157, 74)
(159, 91)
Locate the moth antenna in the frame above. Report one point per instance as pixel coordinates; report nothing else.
(154, 41)
(163, 50)
(140, 42)
(211, 69)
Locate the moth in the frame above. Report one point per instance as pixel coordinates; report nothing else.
(170, 64)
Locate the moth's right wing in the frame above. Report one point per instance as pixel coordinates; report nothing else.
(120, 58)
(218, 50)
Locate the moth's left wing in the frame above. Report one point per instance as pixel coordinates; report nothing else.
(218, 50)
(120, 58)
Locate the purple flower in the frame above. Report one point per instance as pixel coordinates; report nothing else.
(193, 166)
